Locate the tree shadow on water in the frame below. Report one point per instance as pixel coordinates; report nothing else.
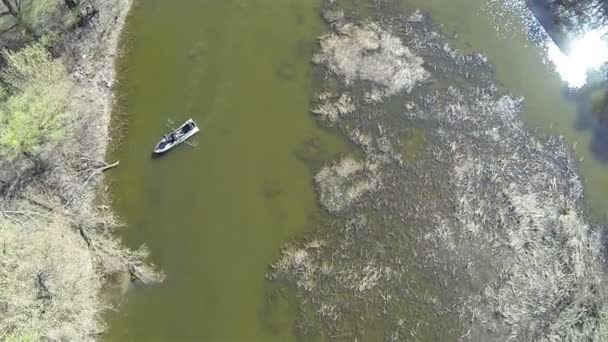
(592, 116)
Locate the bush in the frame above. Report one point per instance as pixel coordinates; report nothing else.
(48, 282)
(35, 101)
(36, 20)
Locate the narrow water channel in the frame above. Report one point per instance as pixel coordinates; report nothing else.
(215, 215)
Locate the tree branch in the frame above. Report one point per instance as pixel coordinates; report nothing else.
(84, 235)
(43, 290)
(100, 170)
(9, 28)
(94, 171)
(27, 213)
(109, 166)
(11, 9)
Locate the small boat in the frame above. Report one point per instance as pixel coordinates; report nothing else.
(178, 136)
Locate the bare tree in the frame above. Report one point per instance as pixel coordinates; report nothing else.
(49, 282)
(11, 8)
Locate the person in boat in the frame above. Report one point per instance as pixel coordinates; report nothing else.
(189, 126)
(171, 138)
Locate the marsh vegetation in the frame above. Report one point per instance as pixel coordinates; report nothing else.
(483, 232)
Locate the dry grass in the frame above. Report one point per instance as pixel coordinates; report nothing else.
(343, 184)
(49, 282)
(525, 203)
(331, 109)
(368, 53)
(482, 237)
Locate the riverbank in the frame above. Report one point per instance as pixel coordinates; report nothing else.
(91, 55)
(57, 227)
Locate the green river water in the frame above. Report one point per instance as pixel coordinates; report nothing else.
(216, 214)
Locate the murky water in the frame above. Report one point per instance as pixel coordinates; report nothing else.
(215, 215)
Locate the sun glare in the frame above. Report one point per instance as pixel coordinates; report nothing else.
(588, 52)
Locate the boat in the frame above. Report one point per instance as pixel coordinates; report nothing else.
(178, 136)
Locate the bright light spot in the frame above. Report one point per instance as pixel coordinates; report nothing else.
(586, 53)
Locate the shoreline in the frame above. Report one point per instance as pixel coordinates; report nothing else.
(93, 66)
(91, 55)
(58, 226)
(92, 59)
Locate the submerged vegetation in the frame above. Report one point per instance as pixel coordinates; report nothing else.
(482, 235)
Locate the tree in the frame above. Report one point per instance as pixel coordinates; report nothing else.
(35, 101)
(10, 8)
(40, 20)
(49, 284)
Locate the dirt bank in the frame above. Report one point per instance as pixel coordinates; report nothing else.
(91, 55)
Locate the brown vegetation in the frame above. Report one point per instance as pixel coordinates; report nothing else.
(345, 182)
(481, 236)
(368, 53)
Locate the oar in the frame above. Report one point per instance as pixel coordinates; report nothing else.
(169, 124)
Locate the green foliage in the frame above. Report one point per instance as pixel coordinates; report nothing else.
(46, 19)
(36, 101)
(38, 20)
(24, 337)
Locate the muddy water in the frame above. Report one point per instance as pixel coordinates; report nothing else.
(215, 215)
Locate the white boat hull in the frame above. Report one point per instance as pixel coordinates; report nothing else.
(164, 145)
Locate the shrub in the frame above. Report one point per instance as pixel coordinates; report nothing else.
(35, 101)
(36, 20)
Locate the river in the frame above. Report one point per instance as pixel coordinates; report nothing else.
(216, 214)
